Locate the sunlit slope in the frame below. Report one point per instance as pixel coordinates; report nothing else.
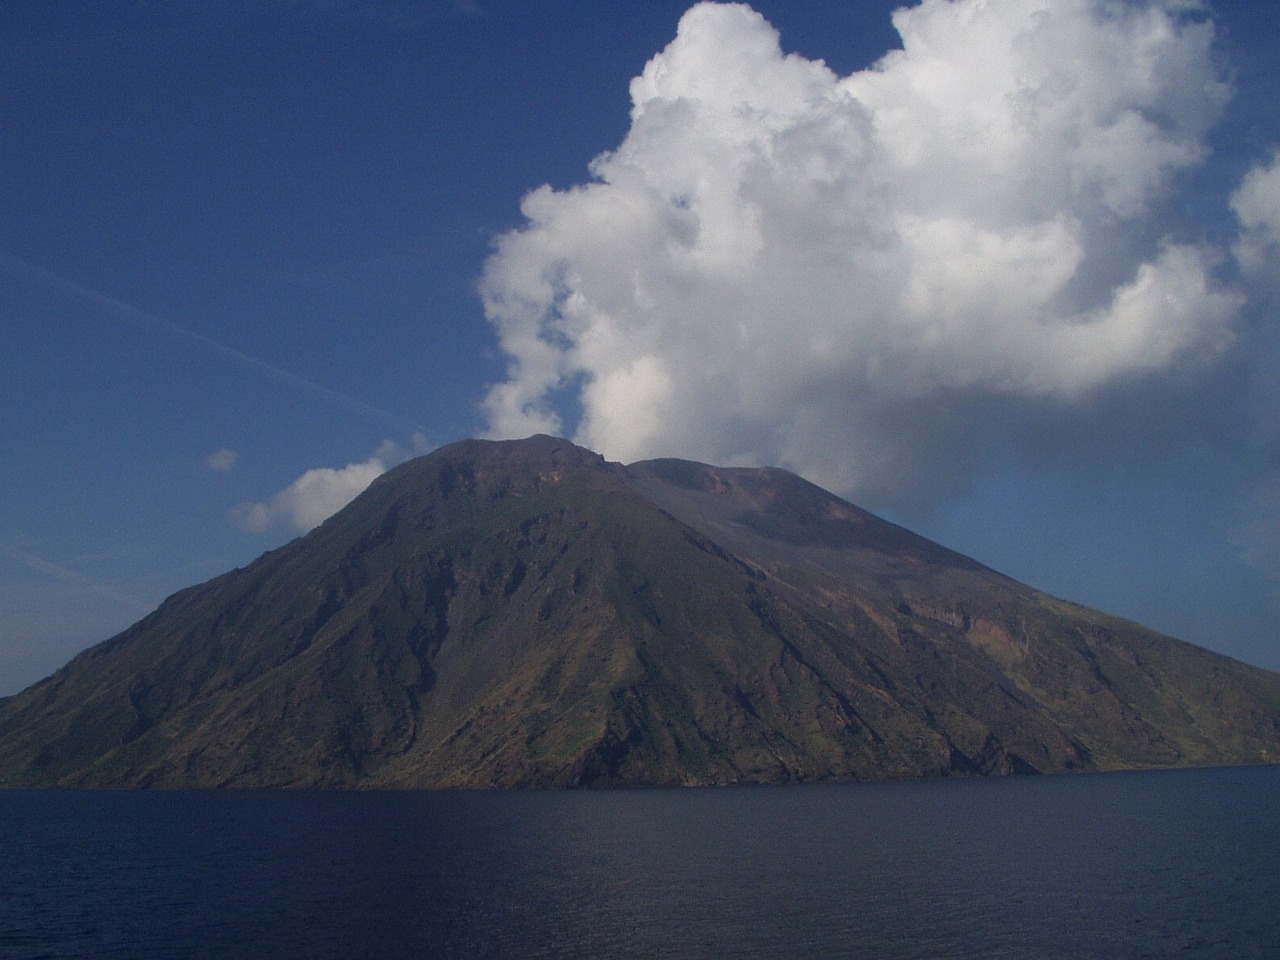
(523, 613)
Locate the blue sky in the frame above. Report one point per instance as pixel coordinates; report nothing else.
(1012, 285)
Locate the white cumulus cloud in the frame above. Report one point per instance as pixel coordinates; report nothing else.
(1256, 204)
(862, 277)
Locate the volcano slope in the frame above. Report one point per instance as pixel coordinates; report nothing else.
(524, 613)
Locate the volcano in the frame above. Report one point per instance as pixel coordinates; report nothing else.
(527, 614)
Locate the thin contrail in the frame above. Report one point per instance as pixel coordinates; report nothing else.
(124, 311)
(56, 572)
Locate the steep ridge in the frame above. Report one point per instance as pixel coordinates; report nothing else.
(524, 613)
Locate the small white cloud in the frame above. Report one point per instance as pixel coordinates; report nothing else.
(311, 499)
(1256, 204)
(223, 461)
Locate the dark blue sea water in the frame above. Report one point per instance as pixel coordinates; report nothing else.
(1177, 864)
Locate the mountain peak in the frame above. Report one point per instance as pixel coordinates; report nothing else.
(514, 613)
(500, 464)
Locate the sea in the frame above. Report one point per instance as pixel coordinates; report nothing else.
(1153, 864)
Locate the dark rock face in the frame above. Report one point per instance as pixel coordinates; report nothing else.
(526, 614)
